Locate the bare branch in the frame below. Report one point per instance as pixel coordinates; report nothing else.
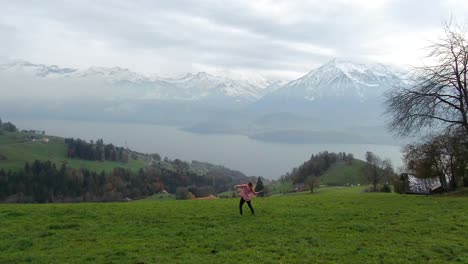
(438, 96)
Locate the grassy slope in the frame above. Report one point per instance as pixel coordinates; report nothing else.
(342, 174)
(336, 225)
(18, 152)
(160, 197)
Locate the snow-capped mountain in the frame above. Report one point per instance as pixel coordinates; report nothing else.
(203, 85)
(194, 87)
(340, 78)
(273, 86)
(112, 75)
(40, 70)
(337, 78)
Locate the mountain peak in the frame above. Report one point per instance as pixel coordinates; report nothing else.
(347, 66)
(332, 62)
(202, 75)
(107, 70)
(39, 70)
(342, 78)
(191, 76)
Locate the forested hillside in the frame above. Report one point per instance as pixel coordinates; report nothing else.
(35, 167)
(317, 165)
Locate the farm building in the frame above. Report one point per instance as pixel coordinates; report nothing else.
(414, 185)
(300, 187)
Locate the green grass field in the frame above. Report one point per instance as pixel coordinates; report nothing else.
(17, 151)
(335, 225)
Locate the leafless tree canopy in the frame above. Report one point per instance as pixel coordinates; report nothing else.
(377, 170)
(438, 97)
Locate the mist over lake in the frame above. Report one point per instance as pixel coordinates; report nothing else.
(238, 152)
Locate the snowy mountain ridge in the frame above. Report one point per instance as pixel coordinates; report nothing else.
(337, 78)
(190, 86)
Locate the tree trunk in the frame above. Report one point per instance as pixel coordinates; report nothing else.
(443, 182)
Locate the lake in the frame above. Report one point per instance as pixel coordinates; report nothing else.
(238, 152)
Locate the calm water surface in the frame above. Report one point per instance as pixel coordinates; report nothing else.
(252, 157)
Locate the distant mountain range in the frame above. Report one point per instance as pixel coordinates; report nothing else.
(194, 87)
(337, 78)
(326, 101)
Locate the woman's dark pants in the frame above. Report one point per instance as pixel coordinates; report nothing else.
(242, 201)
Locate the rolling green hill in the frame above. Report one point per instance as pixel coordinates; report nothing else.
(18, 148)
(333, 169)
(335, 225)
(342, 173)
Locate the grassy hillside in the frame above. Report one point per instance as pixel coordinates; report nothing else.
(342, 174)
(336, 225)
(18, 149)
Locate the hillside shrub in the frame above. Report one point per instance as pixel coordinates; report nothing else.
(386, 188)
(202, 191)
(112, 196)
(225, 195)
(183, 193)
(398, 186)
(379, 188)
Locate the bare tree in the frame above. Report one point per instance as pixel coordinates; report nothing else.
(436, 101)
(373, 169)
(388, 170)
(441, 156)
(437, 97)
(313, 182)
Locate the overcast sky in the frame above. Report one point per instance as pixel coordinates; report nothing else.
(278, 39)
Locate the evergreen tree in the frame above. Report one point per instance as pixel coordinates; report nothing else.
(9, 127)
(259, 187)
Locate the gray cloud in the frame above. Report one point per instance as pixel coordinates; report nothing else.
(174, 36)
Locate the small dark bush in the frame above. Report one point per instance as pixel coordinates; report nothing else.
(370, 188)
(398, 186)
(386, 188)
(182, 193)
(202, 191)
